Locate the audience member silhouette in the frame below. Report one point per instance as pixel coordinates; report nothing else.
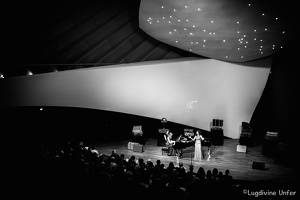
(201, 173)
(208, 176)
(181, 171)
(215, 172)
(220, 177)
(170, 168)
(227, 177)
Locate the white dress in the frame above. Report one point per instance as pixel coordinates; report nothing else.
(198, 151)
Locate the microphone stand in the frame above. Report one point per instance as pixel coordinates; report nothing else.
(192, 156)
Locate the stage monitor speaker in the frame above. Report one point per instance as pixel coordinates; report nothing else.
(258, 165)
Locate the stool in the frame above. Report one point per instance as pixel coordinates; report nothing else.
(165, 150)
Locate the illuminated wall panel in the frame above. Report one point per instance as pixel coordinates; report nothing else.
(186, 91)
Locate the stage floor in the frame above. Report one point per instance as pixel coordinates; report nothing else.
(222, 157)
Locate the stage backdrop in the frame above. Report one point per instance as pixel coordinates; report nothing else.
(187, 91)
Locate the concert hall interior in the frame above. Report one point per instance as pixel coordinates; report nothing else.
(78, 76)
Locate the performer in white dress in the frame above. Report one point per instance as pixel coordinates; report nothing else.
(198, 151)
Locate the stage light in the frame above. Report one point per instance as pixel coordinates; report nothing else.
(164, 121)
(29, 73)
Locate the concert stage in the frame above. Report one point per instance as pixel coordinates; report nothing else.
(222, 157)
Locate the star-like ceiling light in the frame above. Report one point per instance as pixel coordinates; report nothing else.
(231, 30)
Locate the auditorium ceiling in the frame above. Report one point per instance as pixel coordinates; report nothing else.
(230, 30)
(49, 36)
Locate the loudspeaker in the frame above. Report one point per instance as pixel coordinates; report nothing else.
(221, 123)
(218, 122)
(214, 122)
(258, 165)
(217, 137)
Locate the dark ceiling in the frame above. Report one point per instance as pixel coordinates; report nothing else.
(47, 36)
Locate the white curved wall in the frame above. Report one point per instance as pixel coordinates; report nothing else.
(186, 91)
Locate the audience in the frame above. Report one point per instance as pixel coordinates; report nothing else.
(76, 169)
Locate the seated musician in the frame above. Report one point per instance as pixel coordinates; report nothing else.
(170, 142)
(168, 138)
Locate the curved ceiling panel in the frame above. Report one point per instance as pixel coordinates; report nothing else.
(230, 30)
